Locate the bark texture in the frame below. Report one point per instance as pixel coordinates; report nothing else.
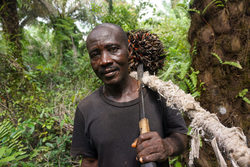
(219, 35)
(10, 22)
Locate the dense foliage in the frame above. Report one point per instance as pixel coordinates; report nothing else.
(38, 95)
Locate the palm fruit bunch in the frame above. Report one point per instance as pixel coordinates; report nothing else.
(146, 48)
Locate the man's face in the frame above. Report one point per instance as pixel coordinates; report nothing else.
(108, 55)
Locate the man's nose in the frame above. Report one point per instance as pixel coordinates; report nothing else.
(105, 58)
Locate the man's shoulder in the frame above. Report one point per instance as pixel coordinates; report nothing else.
(90, 100)
(153, 94)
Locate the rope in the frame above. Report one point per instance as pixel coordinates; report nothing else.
(230, 141)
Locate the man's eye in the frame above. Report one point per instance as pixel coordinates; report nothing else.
(114, 49)
(93, 54)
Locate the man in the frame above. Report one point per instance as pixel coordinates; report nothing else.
(106, 122)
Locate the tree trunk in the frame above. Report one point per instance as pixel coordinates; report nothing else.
(174, 3)
(11, 73)
(110, 6)
(219, 35)
(10, 22)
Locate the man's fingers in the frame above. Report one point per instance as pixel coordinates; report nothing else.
(150, 147)
(150, 158)
(147, 136)
(155, 144)
(144, 146)
(147, 151)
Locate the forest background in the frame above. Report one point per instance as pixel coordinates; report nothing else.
(45, 69)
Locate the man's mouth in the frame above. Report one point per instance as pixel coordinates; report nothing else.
(109, 72)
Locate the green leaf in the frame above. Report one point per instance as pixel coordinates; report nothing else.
(193, 77)
(7, 159)
(2, 151)
(177, 164)
(8, 151)
(166, 74)
(73, 98)
(246, 100)
(173, 160)
(22, 157)
(235, 64)
(217, 56)
(62, 123)
(196, 94)
(49, 145)
(16, 134)
(243, 93)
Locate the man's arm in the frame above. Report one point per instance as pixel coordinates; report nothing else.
(81, 143)
(151, 147)
(89, 162)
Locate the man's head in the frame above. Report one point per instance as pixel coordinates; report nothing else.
(107, 45)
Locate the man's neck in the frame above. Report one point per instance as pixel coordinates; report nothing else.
(124, 92)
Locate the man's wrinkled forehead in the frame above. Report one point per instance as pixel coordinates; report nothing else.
(105, 32)
(102, 32)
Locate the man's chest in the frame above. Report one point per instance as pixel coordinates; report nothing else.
(121, 125)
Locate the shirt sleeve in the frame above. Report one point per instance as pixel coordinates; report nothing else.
(81, 143)
(173, 121)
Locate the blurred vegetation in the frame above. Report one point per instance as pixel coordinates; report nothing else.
(39, 90)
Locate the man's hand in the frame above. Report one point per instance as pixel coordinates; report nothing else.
(151, 147)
